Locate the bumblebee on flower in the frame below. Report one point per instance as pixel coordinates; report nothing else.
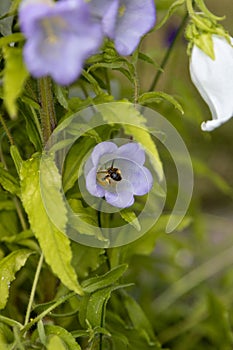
(117, 173)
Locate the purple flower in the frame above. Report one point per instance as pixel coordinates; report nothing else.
(60, 36)
(117, 173)
(125, 21)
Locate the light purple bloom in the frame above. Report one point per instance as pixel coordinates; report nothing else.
(125, 21)
(117, 173)
(60, 36)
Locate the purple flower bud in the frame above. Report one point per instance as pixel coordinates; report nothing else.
(117, 173)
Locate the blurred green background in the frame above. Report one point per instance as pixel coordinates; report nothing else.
(188, 281)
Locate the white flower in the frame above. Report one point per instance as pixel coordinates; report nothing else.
(214, 80)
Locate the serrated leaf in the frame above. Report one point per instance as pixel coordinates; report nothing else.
(15, 75)
(93, 284)
(130, 217)
(8, 268)
(157, 96)
(54, 243)
(9, 182)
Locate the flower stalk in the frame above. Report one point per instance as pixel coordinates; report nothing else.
(47, 111)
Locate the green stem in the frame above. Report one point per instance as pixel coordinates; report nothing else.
(20, 213)
(33, 291)
(8, 134)
(168, 52)
(47, 111)
(60, 301)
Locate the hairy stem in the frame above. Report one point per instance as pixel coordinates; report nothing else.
(47, 111)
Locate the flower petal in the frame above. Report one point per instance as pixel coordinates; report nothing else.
(138, 18)
(102, 149)
(133, 152)
(92, 186)
(139, 177)
(123, 198)
(60, 36)
(214, 80)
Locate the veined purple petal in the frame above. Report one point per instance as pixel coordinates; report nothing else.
(137, 19)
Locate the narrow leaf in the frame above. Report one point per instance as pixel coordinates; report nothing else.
(54, 243)
(15, 75)
(139, 319)
(9, 182)
(16, 157)
(130, 217)
(157, 96)
(95, 283)
(8, 268)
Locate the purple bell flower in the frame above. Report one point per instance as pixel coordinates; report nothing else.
(125, 21)
(60, 37)
(117, 173)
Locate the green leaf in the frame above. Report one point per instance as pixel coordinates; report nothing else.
(93, 306)
(12, 38)
(9, 182)
(83, 265)
(93, 284)
(54, 243)
(157, 96)
(130, 217)
(59, 339)
(55, 342)
(8, 268)
(74, 160)
(139, 319)
(16, 158)
(15, 75)
(169, 13)
(62, 95)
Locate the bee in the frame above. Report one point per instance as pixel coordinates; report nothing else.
(111, 173)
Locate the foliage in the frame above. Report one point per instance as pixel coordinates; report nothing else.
(155, 291)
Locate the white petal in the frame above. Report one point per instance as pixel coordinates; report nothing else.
(214, 80)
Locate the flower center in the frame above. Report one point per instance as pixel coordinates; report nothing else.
(121, 10)
(52, 28)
